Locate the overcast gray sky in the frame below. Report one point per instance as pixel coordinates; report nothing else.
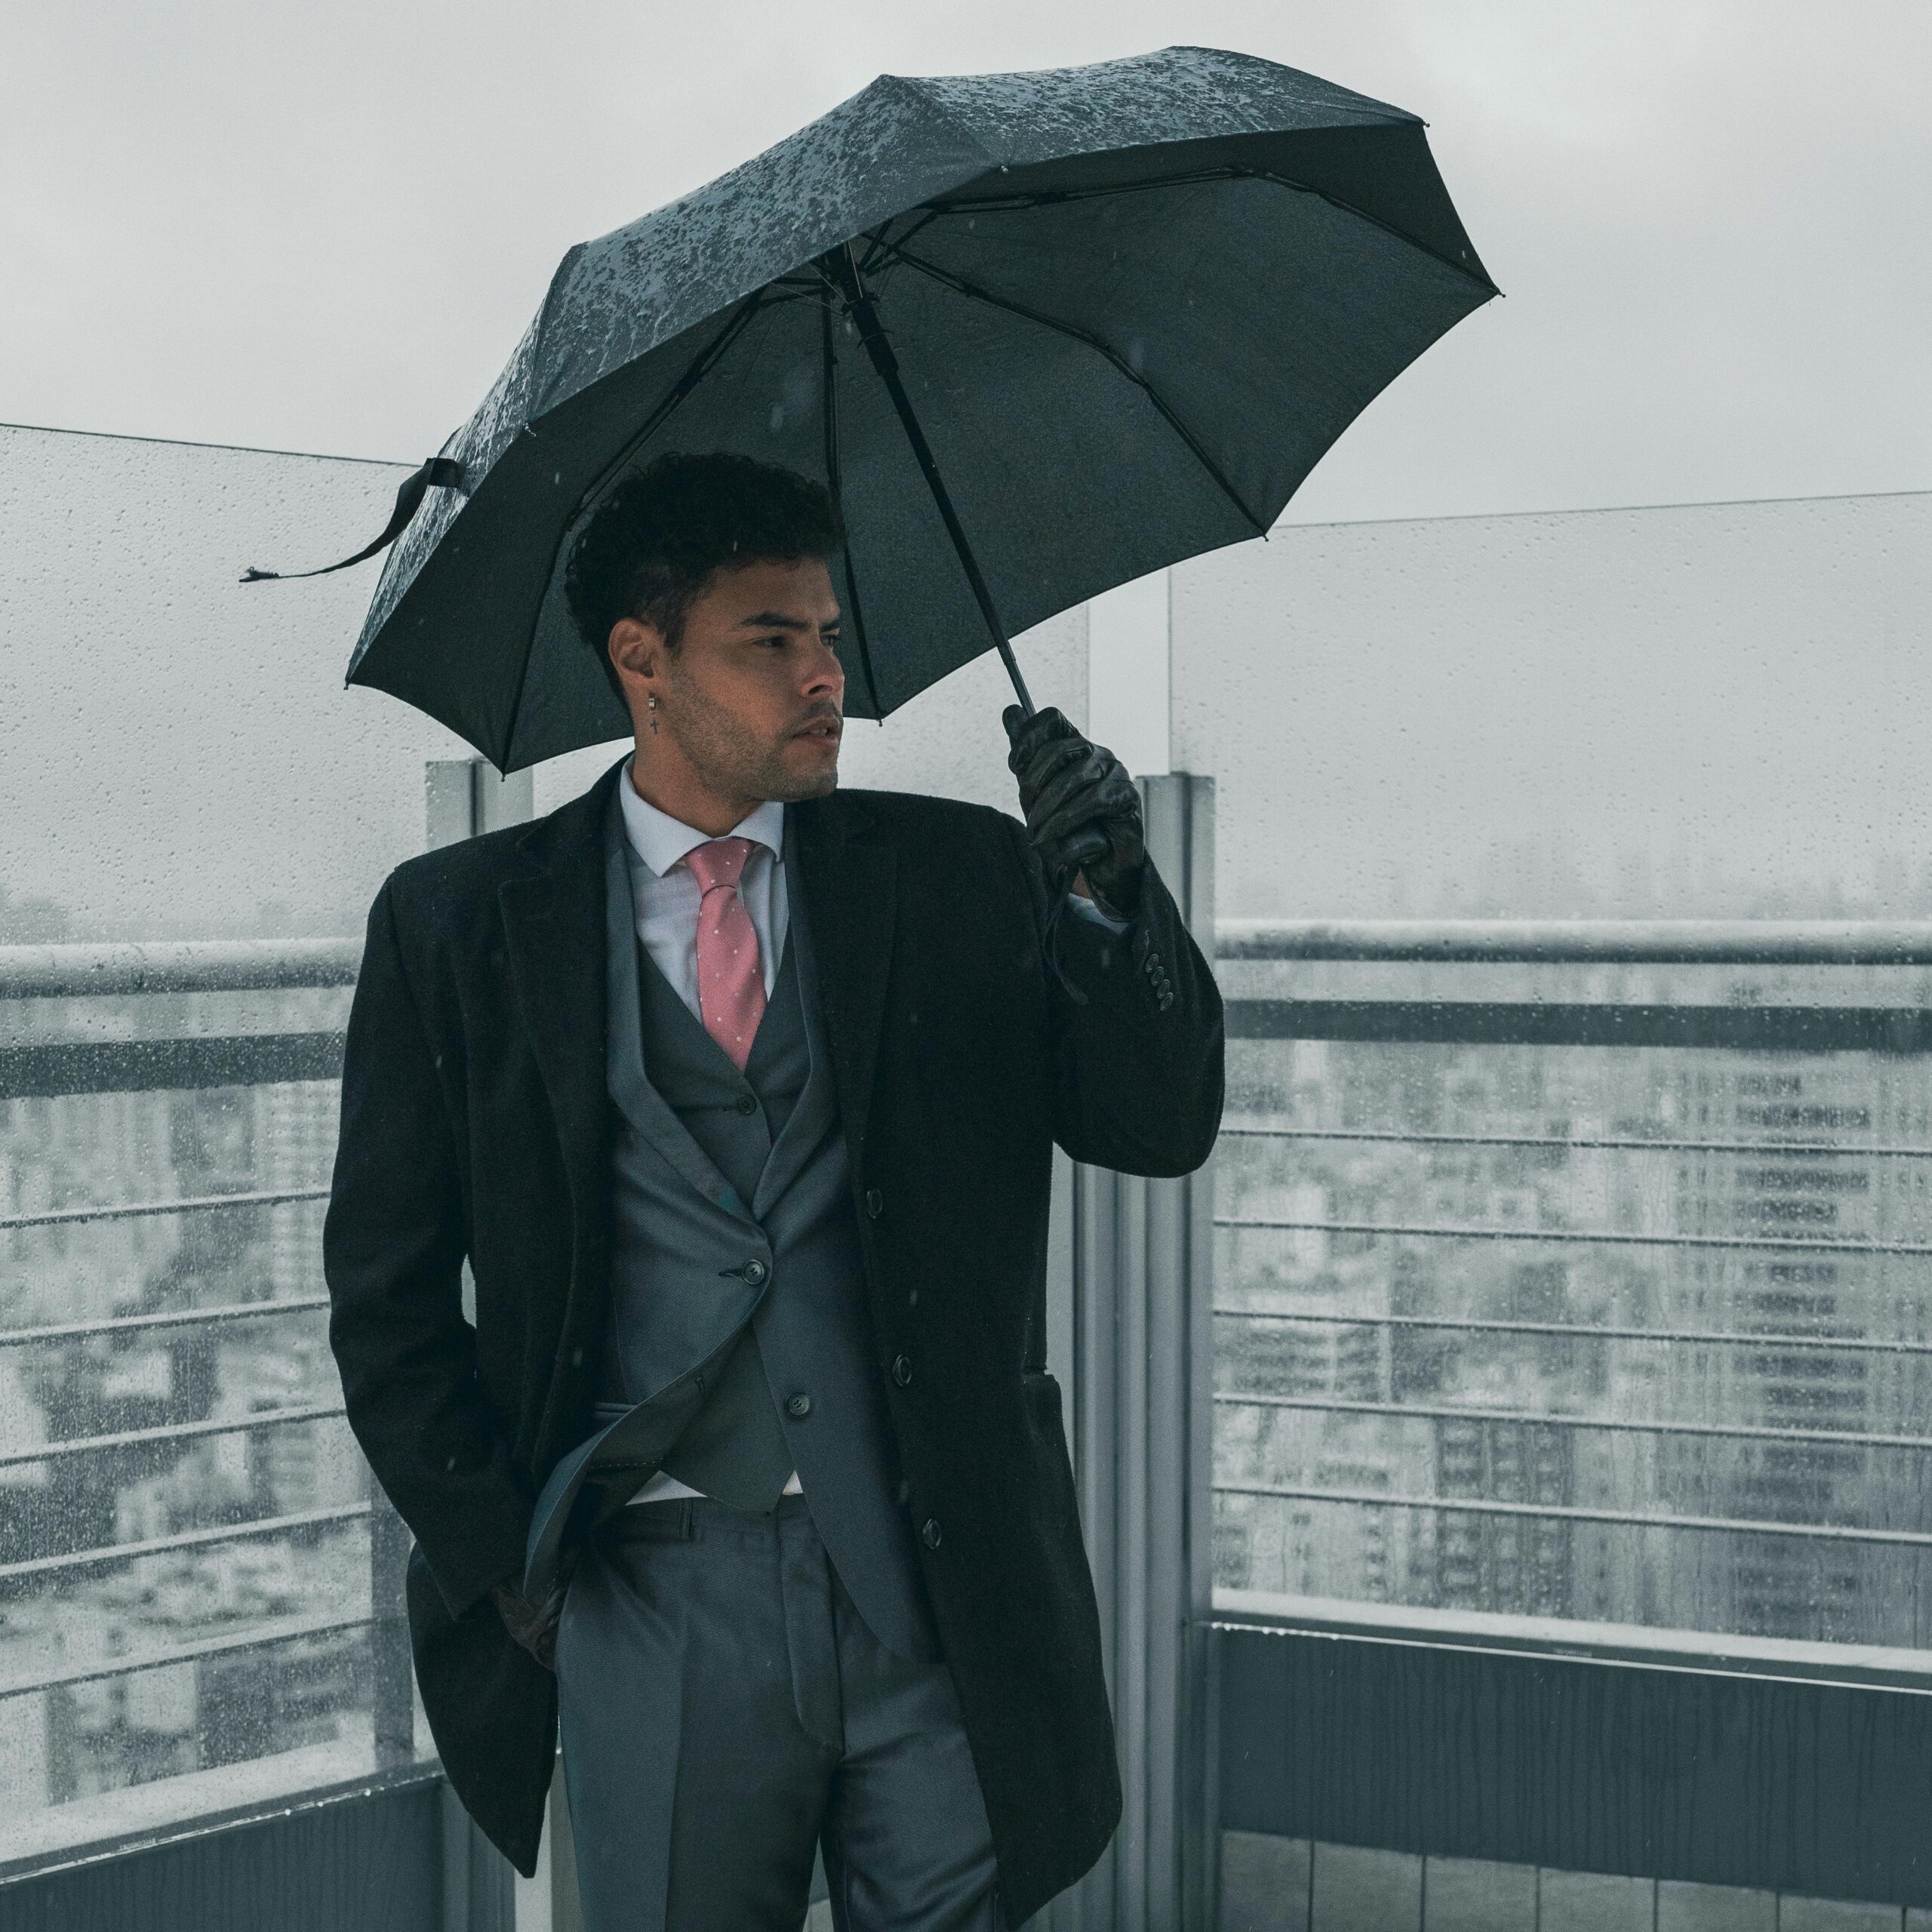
(325, 227)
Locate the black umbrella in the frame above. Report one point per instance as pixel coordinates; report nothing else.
(1041, 333)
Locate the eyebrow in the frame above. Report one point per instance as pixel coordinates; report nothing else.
(766, 620)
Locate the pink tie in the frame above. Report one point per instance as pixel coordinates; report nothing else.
(731, 980)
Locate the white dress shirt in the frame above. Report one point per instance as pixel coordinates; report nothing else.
(665, 891)
(665, 896)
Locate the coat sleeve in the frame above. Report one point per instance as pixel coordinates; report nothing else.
(1138, 1084)
(393, 1244)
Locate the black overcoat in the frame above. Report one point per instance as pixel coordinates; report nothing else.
(475, 1123)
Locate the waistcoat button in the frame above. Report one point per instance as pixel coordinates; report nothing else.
(798, 1405)
(755, 1272)
(747, 1104)
(902, 1370)
(929, 1532)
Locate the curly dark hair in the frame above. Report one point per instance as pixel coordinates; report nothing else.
(654, 544)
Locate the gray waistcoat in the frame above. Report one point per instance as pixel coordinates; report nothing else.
(714, 1171)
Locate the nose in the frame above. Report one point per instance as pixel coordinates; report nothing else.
(825, 676)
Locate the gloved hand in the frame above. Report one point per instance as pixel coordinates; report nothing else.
(1083, 813)
(532, 1625)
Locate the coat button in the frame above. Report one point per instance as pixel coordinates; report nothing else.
(929, 1532)
(875, 1203)
(747, 1104)
(755, 1272)
(798, 1405)
(902, 1370)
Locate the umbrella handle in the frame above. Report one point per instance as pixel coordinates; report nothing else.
(843, 272)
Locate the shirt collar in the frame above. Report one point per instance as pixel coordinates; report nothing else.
(661, 841)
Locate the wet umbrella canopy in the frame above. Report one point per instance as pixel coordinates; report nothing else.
(1042, 332)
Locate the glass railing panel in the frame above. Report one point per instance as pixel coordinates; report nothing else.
(1509, 1320)
(197, 1577)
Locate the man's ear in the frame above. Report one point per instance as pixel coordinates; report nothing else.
(636, 650)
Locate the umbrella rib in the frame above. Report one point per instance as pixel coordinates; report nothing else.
(695, 370)
(1052, 197)
(960, 286)
(839, 501)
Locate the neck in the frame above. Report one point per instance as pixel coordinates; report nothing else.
(683, 796)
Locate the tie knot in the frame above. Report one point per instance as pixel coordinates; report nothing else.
(717, 862)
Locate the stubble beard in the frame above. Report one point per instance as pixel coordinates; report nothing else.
(713, 743)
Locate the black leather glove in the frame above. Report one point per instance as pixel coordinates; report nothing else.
(1083, 813)
(532, 1625)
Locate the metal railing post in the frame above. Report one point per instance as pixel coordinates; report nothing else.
(393, 1703)
(1143, 1429)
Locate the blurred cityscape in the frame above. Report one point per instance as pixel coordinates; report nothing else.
(1657, 1445)
(165, 1404)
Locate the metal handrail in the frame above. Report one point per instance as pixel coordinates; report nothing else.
(81, 971)
(1632, 1143)
(1585, 942)
(1580, 1331)
(168, 1317)
(119, 1552)
(1574, 1512)
(1762, 1660)
(1449, 1412)
(289, 1630)
(130, 1439)
(195, 1203)
(1596, 1237)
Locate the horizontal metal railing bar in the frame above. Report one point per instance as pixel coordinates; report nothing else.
(1595, 1237)
(131, 1439)
(1637, 1143)
(1448, 1412)
(1583, 1331)
(1472, 1506)
(288, 1631)
(1794, 1029)
(170, 1318)
(122, 1552)
(1585, 941)
(80, 971)
(56, 1217)
(62, 1067)
(1863, 1666)
(296, 1799)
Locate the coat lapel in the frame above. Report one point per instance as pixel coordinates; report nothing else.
(850, 889)
(816, 1110)
(553, 927)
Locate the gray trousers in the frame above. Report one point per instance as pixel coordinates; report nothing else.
(723, 1708)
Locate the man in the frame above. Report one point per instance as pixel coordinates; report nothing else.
(738, 1094)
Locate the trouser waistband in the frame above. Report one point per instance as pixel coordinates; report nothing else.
(689, 1516)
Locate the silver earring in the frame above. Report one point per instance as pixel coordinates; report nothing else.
(653, 706)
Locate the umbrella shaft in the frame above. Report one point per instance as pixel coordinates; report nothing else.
(858, 300)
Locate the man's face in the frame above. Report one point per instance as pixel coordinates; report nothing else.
(753, 697)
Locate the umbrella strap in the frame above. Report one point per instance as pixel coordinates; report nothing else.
(442, 472)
